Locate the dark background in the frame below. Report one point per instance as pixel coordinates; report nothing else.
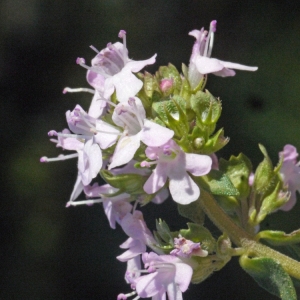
(50, 252)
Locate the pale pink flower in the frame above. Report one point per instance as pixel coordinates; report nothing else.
(201, 62)
(131, 117)
(168, 275)
(112, 70)
(290, 172)
(173, 163)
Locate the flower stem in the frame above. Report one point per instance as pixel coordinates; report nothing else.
(242, 238)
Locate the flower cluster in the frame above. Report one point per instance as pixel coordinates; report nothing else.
(151, 136)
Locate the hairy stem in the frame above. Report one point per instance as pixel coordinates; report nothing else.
(242, 238)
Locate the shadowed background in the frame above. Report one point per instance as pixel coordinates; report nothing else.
(50, 252)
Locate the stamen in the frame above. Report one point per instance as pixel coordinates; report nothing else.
(81, 61)
(147, 164)
(125, 296)
(117, 51)
(135, 111)
(167, 150)
(75, 136)
(122, 35)
(117, 69)
(94, 48)
(213, 25)
(58, 158)
(86, 202)
(128, 120)
(77, 90)
(210, 39)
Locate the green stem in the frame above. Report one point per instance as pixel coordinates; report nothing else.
(242, 238)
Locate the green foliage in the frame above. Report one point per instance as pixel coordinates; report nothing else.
(207, 109)
(279, 238)
(164, 233)
(238, 169)
(268, 193)
(172, 111)
(126, 183)
(270, 275)
(217, 183)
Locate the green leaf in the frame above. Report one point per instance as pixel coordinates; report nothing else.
(265, 178)
(127, 183)
(207, 108)
(199, 234)
(279, 238)
(150, 84)
(217, 183)
(173, 113)
(164, 232)
(270, 275)
(238, 169)
(215, 142)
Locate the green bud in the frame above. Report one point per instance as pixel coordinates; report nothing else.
(238, 169)
(207, 109)
(164, 232)
(167, 74)
(172, 113)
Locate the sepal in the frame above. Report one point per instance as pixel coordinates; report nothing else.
(279, 238)
(126, 183)
(268, 193)
(207, 109)
(164, 232)
(173, 113)
(238, 169)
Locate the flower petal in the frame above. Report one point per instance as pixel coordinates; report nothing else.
(155, 135)
(183, 189)
(198, 164)
(125, 150)
(206, 65)
(127, 85)
(136, 66)
(157, 179)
